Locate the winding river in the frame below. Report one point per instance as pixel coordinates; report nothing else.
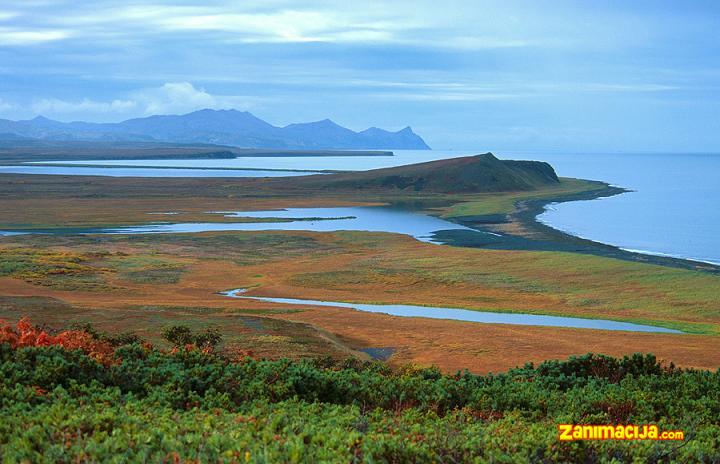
(434, 312)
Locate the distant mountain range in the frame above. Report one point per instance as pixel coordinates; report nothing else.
(221, 127)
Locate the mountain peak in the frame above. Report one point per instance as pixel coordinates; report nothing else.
(222, 127)
(324, 123)
(221, 112)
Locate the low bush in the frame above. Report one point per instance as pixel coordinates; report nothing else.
(182, 335)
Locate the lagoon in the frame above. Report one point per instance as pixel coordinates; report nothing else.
(359, 218)
(368, 219)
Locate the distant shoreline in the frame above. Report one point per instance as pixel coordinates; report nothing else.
(539, 236)
(261, 152)
(17, 153)
(191, 168)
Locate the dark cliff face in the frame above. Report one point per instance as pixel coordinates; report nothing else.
(222, 127)
(479, 173)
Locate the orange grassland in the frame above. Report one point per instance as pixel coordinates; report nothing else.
(108, 289)
(143, 283)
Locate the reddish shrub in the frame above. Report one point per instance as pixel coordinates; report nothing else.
(25, 334)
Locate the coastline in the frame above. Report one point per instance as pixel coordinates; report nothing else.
(529, 233)
(20, 154)
(190, 168)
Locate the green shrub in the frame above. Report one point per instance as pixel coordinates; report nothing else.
(115, 339)
(60, 406)
(181, 335)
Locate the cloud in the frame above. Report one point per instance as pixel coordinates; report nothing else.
(5, 105)
(5, 15)
(493, 90)
(401, 23)
(15, 36)
(451, 96)
(642, 87)
(490, 42)
(182, 97)
(56, 106)
(170, 98)
(278, 26)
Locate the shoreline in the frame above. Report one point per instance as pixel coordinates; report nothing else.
(133, 166)
(94, 152)
(538, 236)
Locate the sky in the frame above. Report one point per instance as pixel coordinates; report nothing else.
(585, 76)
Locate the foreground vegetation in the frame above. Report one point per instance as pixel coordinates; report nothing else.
(79, 397)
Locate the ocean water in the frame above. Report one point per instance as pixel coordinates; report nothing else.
(673, 209)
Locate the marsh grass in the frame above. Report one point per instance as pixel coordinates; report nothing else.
(504, 203)
(148, 269)
(53, 268)
(242, 332)
(385, 268)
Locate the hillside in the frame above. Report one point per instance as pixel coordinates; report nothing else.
(468, 174)
(220, 127)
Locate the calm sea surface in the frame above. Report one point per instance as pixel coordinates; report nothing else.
(674, 207)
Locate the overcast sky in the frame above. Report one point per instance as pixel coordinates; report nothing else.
(505, 75)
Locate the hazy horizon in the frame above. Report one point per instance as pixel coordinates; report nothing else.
(510, 76)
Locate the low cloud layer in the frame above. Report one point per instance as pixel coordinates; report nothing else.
(170, 98)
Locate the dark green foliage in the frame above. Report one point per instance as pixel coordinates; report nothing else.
(153, 404)
(208, 338)
(114, 339)
(181, 335)
(178, 335)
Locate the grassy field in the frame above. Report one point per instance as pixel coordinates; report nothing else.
(504, 203)
(115, 281)
(143, 280)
